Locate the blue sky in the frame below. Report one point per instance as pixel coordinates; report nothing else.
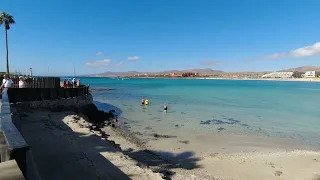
(150, 35)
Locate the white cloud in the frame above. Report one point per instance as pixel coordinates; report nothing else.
(274, 56)
(119, 64)
(307, 51)
(99, 53)
(98, 63)
(133, 58)
(268, 57)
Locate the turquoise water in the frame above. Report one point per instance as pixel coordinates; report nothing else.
(287, 110)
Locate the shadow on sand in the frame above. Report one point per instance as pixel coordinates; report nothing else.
(158, 161)
(60, 153)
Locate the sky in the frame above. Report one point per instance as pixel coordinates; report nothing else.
(53, 36)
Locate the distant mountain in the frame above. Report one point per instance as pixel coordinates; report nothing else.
(303, 69)
(206, 71)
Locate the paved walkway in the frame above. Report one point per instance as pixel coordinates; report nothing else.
(9, 170)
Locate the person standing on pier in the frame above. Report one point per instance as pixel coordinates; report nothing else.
(22, 83)
(6, 82)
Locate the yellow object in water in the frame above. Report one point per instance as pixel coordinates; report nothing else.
(147, 102)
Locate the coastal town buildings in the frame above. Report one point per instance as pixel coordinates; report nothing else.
(278, 75)
(186, 74)
(296, 74)
(310, 74)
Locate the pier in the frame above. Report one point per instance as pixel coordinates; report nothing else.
(16, 157)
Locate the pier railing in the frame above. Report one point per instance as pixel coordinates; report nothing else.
(37, 82)
(40, 94)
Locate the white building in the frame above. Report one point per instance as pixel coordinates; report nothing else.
(309, 74)
(278, 75)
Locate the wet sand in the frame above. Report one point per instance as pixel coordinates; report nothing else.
(244, 157)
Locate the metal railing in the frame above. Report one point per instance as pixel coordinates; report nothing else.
(40, 94)
(36, 82)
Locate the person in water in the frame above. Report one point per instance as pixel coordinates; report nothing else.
(142, 101)
(146, 102)
(165, 108)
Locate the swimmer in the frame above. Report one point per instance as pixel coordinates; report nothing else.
(165, 108)
(142, 101)
(146, 102)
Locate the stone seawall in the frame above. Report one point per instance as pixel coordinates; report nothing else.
(75, 102)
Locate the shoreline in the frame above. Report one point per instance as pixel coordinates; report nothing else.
(255, 160)
(216, 78)
(253, 164)
(142, 160)
(269, 79)
(275, 160)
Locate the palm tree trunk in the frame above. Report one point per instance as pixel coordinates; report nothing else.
(7, 55)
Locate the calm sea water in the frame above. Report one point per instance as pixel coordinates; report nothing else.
(277, 109)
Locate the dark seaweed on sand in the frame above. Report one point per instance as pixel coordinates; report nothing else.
(226, 121)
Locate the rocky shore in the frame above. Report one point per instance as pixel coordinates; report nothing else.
(99, 122)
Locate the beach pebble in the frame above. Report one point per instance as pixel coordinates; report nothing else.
(277, 173)
(184, 142)
(221, 128)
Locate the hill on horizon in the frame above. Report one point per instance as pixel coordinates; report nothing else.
(207, 71)
(303, 69)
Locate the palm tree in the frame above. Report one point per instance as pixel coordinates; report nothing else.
(6, 19)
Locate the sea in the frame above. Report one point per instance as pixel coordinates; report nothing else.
(285, 110)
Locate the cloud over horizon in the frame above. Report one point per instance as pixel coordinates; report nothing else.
(133, 58)
(99, 53)
(274, 56)
(119, 64)
(268, 57)
(306, 51)
(98, 63)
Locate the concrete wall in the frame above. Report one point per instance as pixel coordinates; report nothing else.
(53, 104)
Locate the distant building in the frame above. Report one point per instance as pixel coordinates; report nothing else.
(175, 75)
(185, 74)
(309, 74)
(278, 75)
(190, 74)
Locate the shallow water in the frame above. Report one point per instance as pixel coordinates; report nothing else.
(276, 109)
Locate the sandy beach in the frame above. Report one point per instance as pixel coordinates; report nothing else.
(239, 157)
(76, 151)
